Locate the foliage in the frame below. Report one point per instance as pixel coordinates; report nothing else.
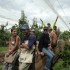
(59, 66)
(4, 36)
(65, 35)
(64, 61)
(65, 56)
(36, 28)
(0, 67)
(22, 21)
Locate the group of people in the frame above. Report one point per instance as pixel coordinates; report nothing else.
(48, 43)
(24, 48)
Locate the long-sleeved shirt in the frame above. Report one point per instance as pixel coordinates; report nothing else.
(31, 40)
(44, 41)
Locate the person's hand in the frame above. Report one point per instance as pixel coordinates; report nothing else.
(42, 53)
(50, 47)
(38, 52)
(21, 46)
(7, 54)
(24, 45)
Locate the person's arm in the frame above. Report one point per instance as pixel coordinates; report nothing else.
(50, 45)
(51, 38)
(41, 40)
(16, 44)
(24, 46)
(11, 50)
(9, 45)
(31, 41)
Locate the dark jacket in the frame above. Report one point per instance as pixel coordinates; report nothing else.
(44, 41)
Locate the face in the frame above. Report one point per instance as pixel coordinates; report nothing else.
(25, 32)
(14, 32)
(45, 31)
(55, 28)
(48, 25)
(50, 30)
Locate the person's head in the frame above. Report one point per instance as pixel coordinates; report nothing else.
(25, 29)
(55, 28)
(49, 25)
(45, 30)
(13, 32)
(50, 29)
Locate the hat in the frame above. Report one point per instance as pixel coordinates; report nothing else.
(24, 27)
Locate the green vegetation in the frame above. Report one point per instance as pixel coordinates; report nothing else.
(36, 28)
(0, 67)
(5, 33)
(65, 35)
(2, 49)
(64, 61)
(59, 66)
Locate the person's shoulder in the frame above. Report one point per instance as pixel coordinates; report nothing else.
(53, 32)
(18, 37)
(32, 36)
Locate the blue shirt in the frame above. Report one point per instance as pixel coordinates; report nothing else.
(31, 40)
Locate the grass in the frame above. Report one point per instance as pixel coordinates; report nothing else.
(0, 67)
(2, 49)
(59, 66)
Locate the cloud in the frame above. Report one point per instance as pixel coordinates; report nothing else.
(34, 8)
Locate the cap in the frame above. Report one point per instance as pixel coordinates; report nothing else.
(24, 27)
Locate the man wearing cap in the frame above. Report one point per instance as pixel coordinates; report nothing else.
(44, 44)
(28, 41)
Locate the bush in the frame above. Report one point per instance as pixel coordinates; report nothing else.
(64, 61)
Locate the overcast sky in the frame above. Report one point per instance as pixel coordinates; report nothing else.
(35, 8)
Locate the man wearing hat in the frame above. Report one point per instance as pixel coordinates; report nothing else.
(44, 44)
(27, 43)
